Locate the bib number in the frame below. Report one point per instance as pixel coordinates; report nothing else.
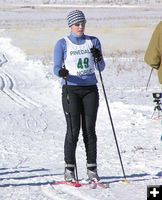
(83, 63)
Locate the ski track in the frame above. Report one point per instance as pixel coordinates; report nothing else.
(139, 184)
(8, 87)
(34, 122)
(76, 192)
(65, 192)
(55, 194)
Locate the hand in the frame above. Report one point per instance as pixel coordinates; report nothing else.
(63, 72)
(96, 54)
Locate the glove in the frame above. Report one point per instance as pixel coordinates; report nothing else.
(96, 54)
(63, 72)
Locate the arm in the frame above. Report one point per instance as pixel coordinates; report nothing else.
(59, 56)
(153, 55)
(97, 45)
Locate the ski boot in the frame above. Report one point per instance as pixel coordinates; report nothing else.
(92, 172)
(69, 174)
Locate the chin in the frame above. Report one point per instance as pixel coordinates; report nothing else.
(80, 33)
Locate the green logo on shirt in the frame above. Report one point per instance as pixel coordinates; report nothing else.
(83, 63)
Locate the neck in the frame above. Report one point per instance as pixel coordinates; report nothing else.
(75, 35)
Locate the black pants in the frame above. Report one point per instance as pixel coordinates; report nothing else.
(80, 107)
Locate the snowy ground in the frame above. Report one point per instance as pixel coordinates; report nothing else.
(32, 124)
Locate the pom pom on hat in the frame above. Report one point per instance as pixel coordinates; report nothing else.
(75, 16)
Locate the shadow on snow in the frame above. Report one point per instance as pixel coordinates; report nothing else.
(18, 172)
(43, 173)
(132, 177)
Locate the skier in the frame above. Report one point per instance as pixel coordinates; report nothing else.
(154, 51)
(153, 57)
(74, 62)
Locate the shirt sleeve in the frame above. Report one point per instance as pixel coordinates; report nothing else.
(96, 43)
(59, 53)
(153, 55)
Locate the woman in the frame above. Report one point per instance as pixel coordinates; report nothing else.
(74, 62)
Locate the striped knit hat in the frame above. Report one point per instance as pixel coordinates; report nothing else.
(75, 16)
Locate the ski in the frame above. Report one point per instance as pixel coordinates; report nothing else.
(103, 185)
(94, 184)
(74, 184)
(83, 183)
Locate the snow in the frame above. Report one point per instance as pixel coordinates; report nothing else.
(81, 2)
(32, 123)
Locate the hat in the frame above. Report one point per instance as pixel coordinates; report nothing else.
(75, 16)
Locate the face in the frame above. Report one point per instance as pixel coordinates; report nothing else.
(78, 28)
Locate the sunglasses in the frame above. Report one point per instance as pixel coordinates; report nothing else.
(80, 24)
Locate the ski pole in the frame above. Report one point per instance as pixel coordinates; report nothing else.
(70, 122)
(149, 79)
(108, 108)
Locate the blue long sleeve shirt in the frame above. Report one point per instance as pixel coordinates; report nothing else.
(60, 53)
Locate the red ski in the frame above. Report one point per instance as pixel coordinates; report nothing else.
(91, 184)
(74, 184)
